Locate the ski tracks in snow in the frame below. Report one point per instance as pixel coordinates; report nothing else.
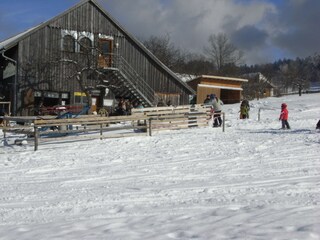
(252, 182)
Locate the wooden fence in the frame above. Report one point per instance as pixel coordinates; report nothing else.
(143, 121)
(72, 129)
(179, 117)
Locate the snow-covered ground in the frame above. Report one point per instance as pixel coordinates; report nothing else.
(252, 182)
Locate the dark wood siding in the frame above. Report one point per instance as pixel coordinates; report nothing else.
(44, 46)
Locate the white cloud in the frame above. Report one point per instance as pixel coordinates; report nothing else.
(257, 26)
(189, 23)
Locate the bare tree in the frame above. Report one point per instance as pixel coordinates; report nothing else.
(316, 61)
(222, 52)
(84, 67)
(296, 73)
(165, 51)
(315, 65)
(196, 64)
(34, 75)
(256, 86)
(53, 72)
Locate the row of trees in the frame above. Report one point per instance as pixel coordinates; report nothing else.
(221, 57)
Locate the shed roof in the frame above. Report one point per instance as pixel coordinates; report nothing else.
(219, 87)
(221, 78)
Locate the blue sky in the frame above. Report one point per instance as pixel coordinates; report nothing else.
(18, 15)
(265, 30)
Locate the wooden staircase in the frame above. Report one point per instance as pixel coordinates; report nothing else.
(124, 81)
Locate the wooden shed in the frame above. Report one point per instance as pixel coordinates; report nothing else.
(228, 89)
(39, 64)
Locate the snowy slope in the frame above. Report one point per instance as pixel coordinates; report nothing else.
(252, 182)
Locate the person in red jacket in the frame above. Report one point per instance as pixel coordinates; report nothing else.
(284, 116)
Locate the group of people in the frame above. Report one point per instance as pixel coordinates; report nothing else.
(125, 106)
(284, 114)
(161, 103)
(216, 108)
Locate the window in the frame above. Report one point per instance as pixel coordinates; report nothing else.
(85, 44)
(68, 43)
(105, 58)
(80, 98)
(105, 46)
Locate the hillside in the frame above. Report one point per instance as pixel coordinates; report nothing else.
(254, 181)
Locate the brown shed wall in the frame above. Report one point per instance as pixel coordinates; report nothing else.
(226, 95)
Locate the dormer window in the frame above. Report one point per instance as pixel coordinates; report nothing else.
(85, 44)
(69, 43)
(73, 41)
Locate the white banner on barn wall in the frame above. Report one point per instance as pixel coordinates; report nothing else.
(108, 102)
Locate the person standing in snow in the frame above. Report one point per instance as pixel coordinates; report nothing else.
(244, 109)
(207, 100)
(284, 116)
(161, 103)
(217, 108)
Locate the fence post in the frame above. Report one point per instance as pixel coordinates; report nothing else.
(223, 121)
(150, 127)
(101, 131)
(36, 138)
(259, 114)
(4, 126)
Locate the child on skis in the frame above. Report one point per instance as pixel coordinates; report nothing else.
(284, 116)
(244, 109)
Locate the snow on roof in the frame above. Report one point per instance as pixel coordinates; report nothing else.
(14, 39)
(223, 78)
(220, 87)
(185, 77)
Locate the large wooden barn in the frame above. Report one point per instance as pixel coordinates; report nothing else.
(83, 54)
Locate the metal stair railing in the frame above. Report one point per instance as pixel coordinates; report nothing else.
(134, 79)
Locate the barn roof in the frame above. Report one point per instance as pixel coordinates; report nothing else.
(13, 41)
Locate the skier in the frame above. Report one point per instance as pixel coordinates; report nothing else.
(284, 116)
(217, 108)
(244, 109)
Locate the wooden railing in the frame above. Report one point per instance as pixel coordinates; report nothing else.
(132, 77)
(90, 127)
(179, 117)
(143, 121)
